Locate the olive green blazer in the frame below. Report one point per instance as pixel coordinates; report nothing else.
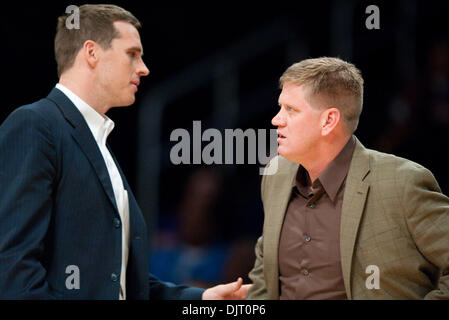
(394, 216)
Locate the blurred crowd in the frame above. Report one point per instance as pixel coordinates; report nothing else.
(418, 114)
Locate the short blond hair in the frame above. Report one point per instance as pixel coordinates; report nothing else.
(336, 83)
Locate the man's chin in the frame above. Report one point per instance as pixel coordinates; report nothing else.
(128, 102)
(282, 152)
(288, 156)
(131, 101)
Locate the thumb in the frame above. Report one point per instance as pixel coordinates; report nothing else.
(231, 287)
(237, 284)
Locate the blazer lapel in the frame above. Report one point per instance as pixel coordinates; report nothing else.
(276, 206)
(354, 199)
(85, 140)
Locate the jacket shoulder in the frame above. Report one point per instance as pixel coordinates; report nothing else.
(381, 161)
(403, 172)
(43, 112)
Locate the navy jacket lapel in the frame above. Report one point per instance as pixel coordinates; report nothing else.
(85, 140)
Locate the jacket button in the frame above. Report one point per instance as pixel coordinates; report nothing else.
(114, 277)
(117, 223)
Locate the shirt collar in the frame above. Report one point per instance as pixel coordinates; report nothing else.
(333, 176)
(100, 125)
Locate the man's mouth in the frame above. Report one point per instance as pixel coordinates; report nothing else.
(281, 136)
(136, 83)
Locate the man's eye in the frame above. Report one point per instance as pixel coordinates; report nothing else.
(132, 54)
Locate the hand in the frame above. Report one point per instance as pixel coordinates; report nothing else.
(229, 291)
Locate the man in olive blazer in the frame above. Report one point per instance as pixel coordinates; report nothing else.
(394, 216)
(394, 219)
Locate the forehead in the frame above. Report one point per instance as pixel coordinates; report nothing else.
(129, 36)
(292, 92)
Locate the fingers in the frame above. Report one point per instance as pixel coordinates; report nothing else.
(242, 292)
(246, 287)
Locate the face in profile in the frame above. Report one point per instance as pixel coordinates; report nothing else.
(298, 123)
(121, 66)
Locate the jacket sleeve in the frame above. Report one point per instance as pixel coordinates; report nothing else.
(258, 290)
(27, 173)
(160, 290)
(427, 214)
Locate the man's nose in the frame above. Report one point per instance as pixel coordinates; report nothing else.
(278, 120)
(143, 70)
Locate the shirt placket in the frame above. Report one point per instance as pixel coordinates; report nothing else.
(313, 196)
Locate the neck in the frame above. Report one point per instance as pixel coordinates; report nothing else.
(84, 90)
(325, 153)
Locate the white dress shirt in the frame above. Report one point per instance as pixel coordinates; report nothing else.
(101, 126)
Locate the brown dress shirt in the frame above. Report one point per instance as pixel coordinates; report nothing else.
(309, 247)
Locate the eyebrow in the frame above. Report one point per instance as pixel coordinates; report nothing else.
(289, 105)
(136, 49)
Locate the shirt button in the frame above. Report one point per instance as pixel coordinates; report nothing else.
(308, 239)
(312, 206)
(306, 272)
(117, 223)
(114, 277)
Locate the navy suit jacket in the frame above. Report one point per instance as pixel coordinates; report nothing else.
(57, 209)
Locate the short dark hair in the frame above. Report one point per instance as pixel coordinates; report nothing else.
(96, 23)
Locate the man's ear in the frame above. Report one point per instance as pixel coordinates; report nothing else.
(330, 118)
(91, 53)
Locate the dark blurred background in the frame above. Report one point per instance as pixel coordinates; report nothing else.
(219, 63)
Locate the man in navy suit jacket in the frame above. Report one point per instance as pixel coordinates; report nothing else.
(70, 227)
